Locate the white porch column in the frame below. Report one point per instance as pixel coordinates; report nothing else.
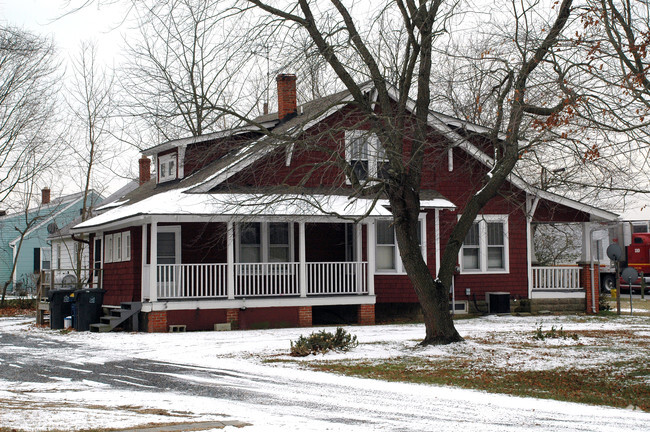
(230, 260)
(531, 206)
(586, 243)
(153, 259)
(371, 257)
(302, 259)
(358, 256)
(144, 281)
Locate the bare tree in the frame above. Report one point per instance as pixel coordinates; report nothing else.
(401, 75)
(181, 68)
(28, 87)
(90, 100)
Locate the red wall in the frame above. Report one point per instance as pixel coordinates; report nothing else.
(122, 280)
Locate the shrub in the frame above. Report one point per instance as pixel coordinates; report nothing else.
(322, 342)
(553, 333)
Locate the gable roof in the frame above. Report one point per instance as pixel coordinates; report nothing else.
(48, 212)
(273, 133)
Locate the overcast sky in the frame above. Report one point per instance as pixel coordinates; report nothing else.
(46, 17)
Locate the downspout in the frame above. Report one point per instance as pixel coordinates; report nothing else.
(591, 269)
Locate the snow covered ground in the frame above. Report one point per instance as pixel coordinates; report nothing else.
(55, 381)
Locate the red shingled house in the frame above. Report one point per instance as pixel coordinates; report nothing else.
(239, 233)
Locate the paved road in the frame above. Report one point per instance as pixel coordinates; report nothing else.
(274, 398)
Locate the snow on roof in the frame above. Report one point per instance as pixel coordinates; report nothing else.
(241, 205)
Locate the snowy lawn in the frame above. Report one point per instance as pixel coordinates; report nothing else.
(52, 380)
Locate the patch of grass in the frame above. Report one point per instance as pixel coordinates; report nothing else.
(616, 385)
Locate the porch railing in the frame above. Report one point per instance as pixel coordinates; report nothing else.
(191, 281)
(326, 278)
(556, 278)
(266, 279)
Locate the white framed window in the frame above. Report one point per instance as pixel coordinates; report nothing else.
(58, 256)
(169, 245)
(387, 257)
(365, 154)
(485, 249)
(108, 248)
(126, 246)
(46, 259)
(167, 168)
(264, 242)
(117, 247)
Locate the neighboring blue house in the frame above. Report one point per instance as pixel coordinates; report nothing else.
(35, 252)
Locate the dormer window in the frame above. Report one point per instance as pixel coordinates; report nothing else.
(167, 168)
(365, 154)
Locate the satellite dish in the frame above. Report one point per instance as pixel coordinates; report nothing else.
(630, 274)
(614, 252)
(52, 228)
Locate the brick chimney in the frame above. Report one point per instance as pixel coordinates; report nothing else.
(145, 169)
(45, 195)
(287, 103)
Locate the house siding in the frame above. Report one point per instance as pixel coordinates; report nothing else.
(123, 280)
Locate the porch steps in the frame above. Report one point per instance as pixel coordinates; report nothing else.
(118, 316)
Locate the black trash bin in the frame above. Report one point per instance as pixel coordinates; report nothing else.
(61, 301)
(88, 307)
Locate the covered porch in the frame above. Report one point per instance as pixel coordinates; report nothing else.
(254, 262)
(575, 274)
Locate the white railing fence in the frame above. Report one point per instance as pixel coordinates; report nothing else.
(266, 279)
(191, 281)
(556, 278)
(326, 278)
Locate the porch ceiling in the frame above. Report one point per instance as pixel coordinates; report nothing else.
(244, 205)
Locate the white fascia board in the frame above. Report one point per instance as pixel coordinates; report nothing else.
(436, 203)
(258, 302)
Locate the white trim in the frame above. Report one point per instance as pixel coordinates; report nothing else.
(399, 266)
(258, 302)
(126, 245)
(165, 160)
(483, 220)
(108, 248)
(176, 229)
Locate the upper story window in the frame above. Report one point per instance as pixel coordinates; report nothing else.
(365, 154)
(485, 248)
(167, 168)
(387, 258)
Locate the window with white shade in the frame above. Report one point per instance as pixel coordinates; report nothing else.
(485, 248)
(387, 258)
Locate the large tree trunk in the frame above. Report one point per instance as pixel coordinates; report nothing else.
(432, 294)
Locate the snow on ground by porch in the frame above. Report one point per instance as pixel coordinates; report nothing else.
(285, 396)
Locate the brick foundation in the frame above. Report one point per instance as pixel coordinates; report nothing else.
(232, 317)
(367, 314)
(585, 282)
(304, 316)
(157, 322)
